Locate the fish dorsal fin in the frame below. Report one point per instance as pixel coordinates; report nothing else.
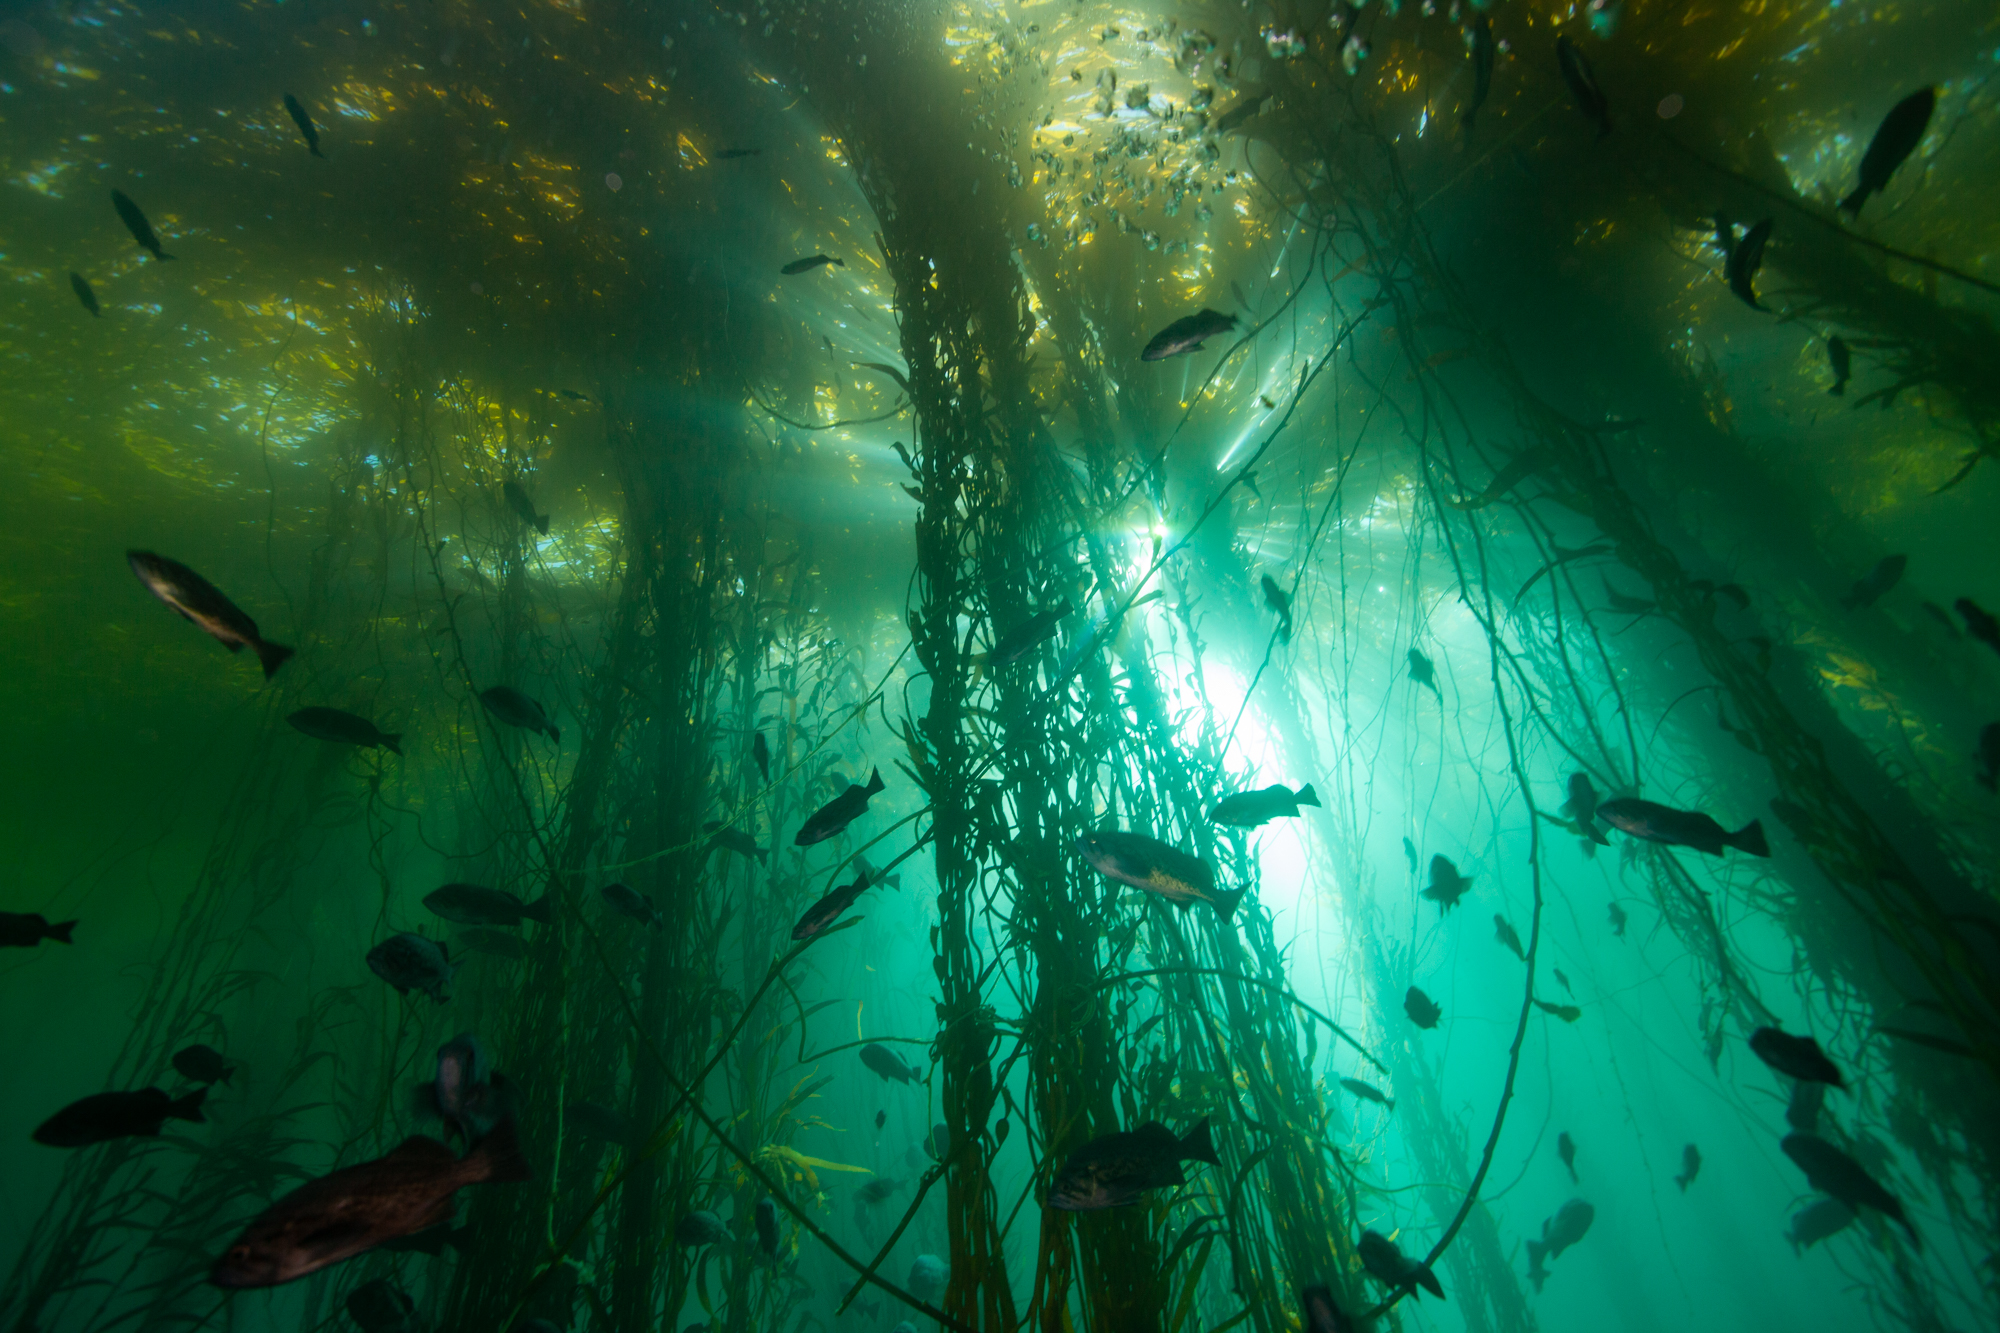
(422, 1148)
(1156, 1135)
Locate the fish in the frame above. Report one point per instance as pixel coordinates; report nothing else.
(305, 124)
(1248, 809)
(1113, 1170)
(1368, 1092)
(832, 818)
(760, 750)
(1421, 1008)
(732, 154)
(202, 1064)
(1564, 980)
(1505, 934)
(1568, 1013)
(1740, 269)
(733, 839)
(332, 724)
(1560, 1232)
(1802, 1111)
(25, 930)
(1424, 672)
(1581, 808)
(1980, 623)
(518, 500)
(1617, 920)
(1277, 599)
(828, 909)
(1690, 1167)
(117, 1115)
(135, 222)
(1895, 139)
(1989, 757)
(477, 905)
(1519, 468)
(1831, 1171)
(498, 943)
(700, 1227)
(1187, 334)
(888, 1064)
(81, 286)
(927, 1276)
(516, 709)
(1868, 589)
(379, 1306)
(1146, 863)
(878, 1191)
(465, 1092)
(356, 1208)
(1241, 112)
(1447, 885)
(1681, 828)
(202, 602)
(573, 396)
(1583, 89)
(1320, 1313)
(601, 1122)
(1566, 1149)
(632, 903)
(881, 1119)
(1797, 1057)
(767, 1226)
(1816, 1221)
(1387, 1264)
(1479, 46)
(798, 266)
(1018, 642)
(410, 962)
(1842, 360)
(1410, 854)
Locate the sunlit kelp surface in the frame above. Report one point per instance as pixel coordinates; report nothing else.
(1488, 416)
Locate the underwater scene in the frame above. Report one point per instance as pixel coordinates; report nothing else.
(877, 666)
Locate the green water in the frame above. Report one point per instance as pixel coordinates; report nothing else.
(1487, 395)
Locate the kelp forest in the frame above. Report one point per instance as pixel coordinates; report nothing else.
(994, 666)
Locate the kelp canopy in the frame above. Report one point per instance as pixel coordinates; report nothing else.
(764, 398)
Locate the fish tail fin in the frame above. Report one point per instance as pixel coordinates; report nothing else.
(1536, 1249)
(874, 782)
(273, 656)
(1198, 1146)
(763, 856)
(1750, 838)
(542, 910)
(1389, 1102)
(1226, 901)
(59, 932)
(1428, 1280)
(542, 524)
(161, 254)
(189, 1107)
(1852, 204)
(316, 152)
(389, 743)
(555, 733)
(498, 1156)
(1307, 796)
(1682, 1181)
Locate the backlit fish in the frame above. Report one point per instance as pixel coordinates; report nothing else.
(1505, 934)
(878, 1191)
(1581, 809)
(1447, 885)
(798, 266)
(1277, 599)
(1421, 1008)
(1248, 809)
(1690, 1167)
(477, 905)
(202, 1064)
(1796, 1057)
(25, 930)
(1568, 1013)
(523, 506)
(1187, 334)
(828, 909)
(1868, 589)
(305, 124)
(1740, 269)
(135, 222)
(760, 750)
(1241, 112)
(1424, 672)
(117, 1115)
(1841, 360)
(344, 728)
(1115, 1169)
(734, 839)
(767, 1226)
(516, 709)
(1368, 1092)
(1681, 828)
(1617, 920)
(1817, 1221)
(1387, 1264)
(831, 819)
(887, 1063)
(1025, 637)
(81, 286)
(632, 903)
(1831, 1171)
(1146, 863)
(1895, 139)
(1566, 1149)
(1410, 854)
(410, 962)
(357, 1208)
(700, 1227)
(1576, 72)
(1560, 1232)
(203, 603)
(1980, 623)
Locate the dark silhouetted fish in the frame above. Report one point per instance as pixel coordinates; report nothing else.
(1424, 672)
(1410, 854)
(1589, 98)
(81, 286)
(1248, 809)
(1895, 139)
(1241, 112)
(516, 709)
(1568, 1013)
(1680, 828)
(305, 124)
(831, 819)
(203, 603)
(1387, 1264)
(878, 1191)
(1740, 269)
(1563, 979)
(380, 1306)
(1831, 1171)
(1581, 809)
(827, 910)
(1560, 1232)
(1505, 934)
(410, 962)
(359, 1207)
(1690, 1167)
(1566, 1149)
(1817, 1221)
(202, 1064)
(1842, 360)
(1980, 623)
(888, 1064)
(1617, 920)
(135, 222)
(477, 905)
(1989, 756)
(1114, 1170)
(1421, 1008)
(881, 1119)
(700, 1227)
(333, 724)
(734, 839)
(1368, 1092)
(25, 930)
(767, 1226)
(632, 903)
(1146, 863)
(1187, 334)
(1447, 885)
(1279, 601)
(465, 1092)
(523, 506)
(117, 1115)
(1888, 572)
(798, 266)
(1024, 638)
(760, 750)
(939, 1143)
(1798, 1057)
